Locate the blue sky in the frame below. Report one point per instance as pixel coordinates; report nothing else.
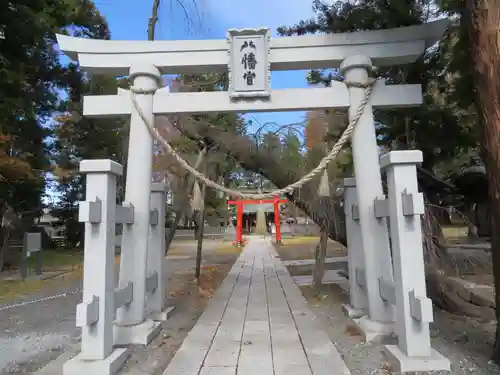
(208, 20)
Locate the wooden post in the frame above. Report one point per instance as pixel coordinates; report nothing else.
(481, 19)
(260, 225)
(319, 260)
(201, 227)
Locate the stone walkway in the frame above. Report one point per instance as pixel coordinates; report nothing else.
(258, 322)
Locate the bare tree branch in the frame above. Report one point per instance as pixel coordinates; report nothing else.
(153, 20)
(325, 212)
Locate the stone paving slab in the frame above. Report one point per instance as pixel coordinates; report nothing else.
(258, 322)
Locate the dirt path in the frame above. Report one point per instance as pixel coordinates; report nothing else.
(35, 334)
(190, 299)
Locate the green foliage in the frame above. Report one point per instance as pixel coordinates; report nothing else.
(78, 138)
(445, 127)
(291, 154)
(285, 147)
(31, 76)
(360, 15)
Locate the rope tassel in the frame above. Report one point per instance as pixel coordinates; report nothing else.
(197, 201)
(324, 185)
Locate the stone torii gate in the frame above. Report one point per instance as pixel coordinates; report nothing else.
(249, 55)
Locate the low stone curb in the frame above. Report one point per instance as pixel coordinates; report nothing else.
(44, 276)
(478, 294)
(55, 366)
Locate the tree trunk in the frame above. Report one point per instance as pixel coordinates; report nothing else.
(319, 261)
(183, 206)
(200, 227)
(482, 18)
(153, 19)
(4, 239)
(471, 215)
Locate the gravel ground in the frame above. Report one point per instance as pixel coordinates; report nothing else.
(33, 335)
(466, 342)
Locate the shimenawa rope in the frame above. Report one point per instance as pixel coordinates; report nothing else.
(323, 164)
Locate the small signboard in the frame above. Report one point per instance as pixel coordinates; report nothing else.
(249, 67)
(251, 208)
(32, 243)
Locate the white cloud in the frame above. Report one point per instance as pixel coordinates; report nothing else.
(257, 13)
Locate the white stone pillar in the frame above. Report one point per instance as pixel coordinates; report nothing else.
(98, 213)
(155, 303)
(355, 257)
(133, 260)
(95, 314)
(374, 233)
(413, 308)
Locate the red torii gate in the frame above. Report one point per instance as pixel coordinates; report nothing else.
(239, 216)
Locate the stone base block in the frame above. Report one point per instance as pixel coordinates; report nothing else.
(400, 362)
(161, 316)
(375, 332)
(141, 334)
(352, 312)
(107, 366)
